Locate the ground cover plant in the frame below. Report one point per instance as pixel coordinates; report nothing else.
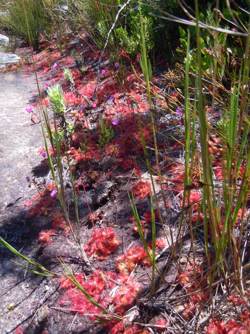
(148, 191)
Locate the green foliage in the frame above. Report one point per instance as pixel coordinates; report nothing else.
(220, 208)
(97, 17)
(56, 99)
(94, 16)
(129, 36)
(145, 48)
(214, 54)
(106, 133)
(28, 18)
(68, 76)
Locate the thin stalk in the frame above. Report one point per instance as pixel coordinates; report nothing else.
(38, 268)
(206, 160)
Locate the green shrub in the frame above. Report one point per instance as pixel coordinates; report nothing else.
(97, 17)
(128, 36)
(106, 133)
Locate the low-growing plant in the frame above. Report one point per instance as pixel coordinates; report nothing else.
(106, 133)
(68, 76)
(55, 95)
(129, 36)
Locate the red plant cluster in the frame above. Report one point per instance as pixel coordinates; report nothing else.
(125, 295)
(128, 164)
(91, 153)
(145, 221)
(59, 222)
(161, 243)
(175, 182)
(19, 330)
(120, 328)
(161, 324)
(66, 283)
(190, 279)
(133, 256)
(108, 289)
(88, 89)
(194, 200)
(236, 300)
(41, 203)
(231, 326)
(125, 105)
(46, 236)
(93, 217)
(102, 243)
(141, 189)
(71, 99)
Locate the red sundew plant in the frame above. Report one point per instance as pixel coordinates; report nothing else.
(194, 302)
(90, 154)
(230, 327)
(236, 300)
(88, 89)
(125, 296)
(120, 328)
(93, 217)
(141, 189)
(141, 104)
(194, 200)
(111, 290)
(95, 285)
(40, 204)
(161, 243)
(19, 330)
(106, 89)
(145, 221)
(133, 256)
(102, 243)
(45, 237)
(190, 275)
(112, 150)
(161, 324)
(66, 283)
(195, 197)
(128, 164)
(71, 99)
(59, 222)
(77, 137)
(190, 279)
(177, 175)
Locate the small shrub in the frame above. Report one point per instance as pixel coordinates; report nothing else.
(106, 133)
(55, 94)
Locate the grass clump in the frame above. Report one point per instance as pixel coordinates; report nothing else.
(28, 18)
